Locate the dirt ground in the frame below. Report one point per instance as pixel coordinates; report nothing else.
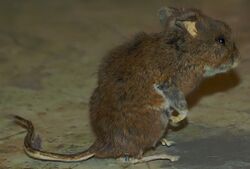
(49, 55)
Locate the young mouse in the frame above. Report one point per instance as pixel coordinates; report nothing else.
(142, 81)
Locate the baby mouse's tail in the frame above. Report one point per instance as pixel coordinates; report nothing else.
(32, 146)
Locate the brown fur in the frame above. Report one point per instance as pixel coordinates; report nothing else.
(125, 111)
(120, 108)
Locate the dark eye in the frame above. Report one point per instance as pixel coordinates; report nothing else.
(221, 40)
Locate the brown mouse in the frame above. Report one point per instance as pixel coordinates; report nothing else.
(143, 80)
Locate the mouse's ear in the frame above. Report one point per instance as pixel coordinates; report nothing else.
(189, 26)
(165, 13)
(187, 21)
(183, 19)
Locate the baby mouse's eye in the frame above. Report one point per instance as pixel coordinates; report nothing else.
(221, 40)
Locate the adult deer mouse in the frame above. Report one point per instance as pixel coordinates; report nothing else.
(141, 80)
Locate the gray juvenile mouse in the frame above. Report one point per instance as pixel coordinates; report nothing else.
(140, 80)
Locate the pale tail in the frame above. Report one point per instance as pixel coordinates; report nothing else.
(31, 144)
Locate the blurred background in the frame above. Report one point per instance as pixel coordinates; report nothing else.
(49, 55)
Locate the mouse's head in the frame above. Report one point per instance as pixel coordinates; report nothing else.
(209, 41)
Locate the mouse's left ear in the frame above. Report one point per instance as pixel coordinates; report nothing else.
(179, 19)
(166, 13)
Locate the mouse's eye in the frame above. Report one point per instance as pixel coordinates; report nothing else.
(221, 40)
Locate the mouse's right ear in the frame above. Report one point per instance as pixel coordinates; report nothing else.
(179, 19)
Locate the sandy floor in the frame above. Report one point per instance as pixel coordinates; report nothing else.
(49, 54)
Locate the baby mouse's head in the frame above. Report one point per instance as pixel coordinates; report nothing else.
(209, 41)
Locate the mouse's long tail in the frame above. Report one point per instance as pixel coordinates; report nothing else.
(32, 144)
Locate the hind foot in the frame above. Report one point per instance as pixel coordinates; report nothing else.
(166, 142)
(128, 160)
